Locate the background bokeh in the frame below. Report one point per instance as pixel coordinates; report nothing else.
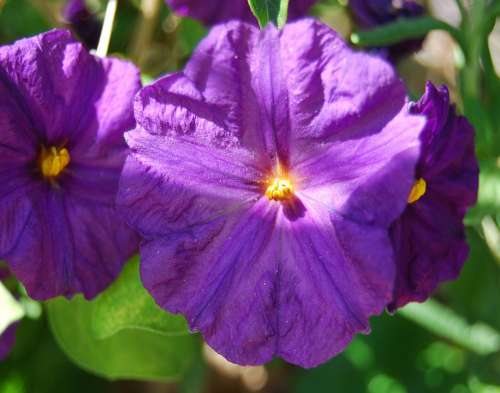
(449, 344)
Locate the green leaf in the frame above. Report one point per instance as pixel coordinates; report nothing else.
(488, 202)
(19, 18)
(444, 322)
(189, 34)
(127, 305)
(402, 30)
(274, 11)
(129, 354)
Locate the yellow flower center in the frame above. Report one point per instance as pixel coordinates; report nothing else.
(279, 189)
(417, 191)
(53, 161)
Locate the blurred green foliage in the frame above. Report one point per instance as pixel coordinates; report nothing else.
(129, 353)
(127, 305)
(449, 345)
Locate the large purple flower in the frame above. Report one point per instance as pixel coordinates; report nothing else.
(223, 10)
(429, 237)
(373, 13)
(63, 113)
(263, 180)
(83, 22)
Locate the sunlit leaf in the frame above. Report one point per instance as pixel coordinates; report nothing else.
(129, 354)
(127, 305)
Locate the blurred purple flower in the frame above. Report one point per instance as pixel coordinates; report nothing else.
(264, 179)
(373, 13)
(224, 10)
(63, 113)
(8, 337)
(84, 23)
(429, 238)
(7, 341)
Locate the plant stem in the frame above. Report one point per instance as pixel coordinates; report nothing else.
(461, 7)
(107, 28)
(145, 30)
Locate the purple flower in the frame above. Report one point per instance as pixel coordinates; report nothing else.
(263, 180)
(7, 341)
(83, 22)
(7, 337)
(224, 10)
(429, 237)
(373, 13)
(63, 113)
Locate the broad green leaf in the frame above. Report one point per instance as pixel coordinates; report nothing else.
(11, 309)
(274, 11)
(444, 322)
(401, 30)
(488, 202)
(127, 305)
(189, 34)
(129, 354)
(19, 18)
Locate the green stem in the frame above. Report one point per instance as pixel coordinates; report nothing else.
(462, 9)
(403, 29)
(107, 28)
(141, 41)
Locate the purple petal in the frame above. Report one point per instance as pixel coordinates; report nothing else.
(365, 186)
(267, 287)
(429, 238)
(172, 182)
(55, 79)
(222, 69)
(7, 341)
(69, 247)
(332, 88)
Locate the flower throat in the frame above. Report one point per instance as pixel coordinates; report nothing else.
(53, 160)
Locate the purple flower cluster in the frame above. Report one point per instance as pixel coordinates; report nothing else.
(284, 188)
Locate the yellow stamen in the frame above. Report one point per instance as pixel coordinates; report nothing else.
(279, 189)
(418, 190)
(53, 161)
